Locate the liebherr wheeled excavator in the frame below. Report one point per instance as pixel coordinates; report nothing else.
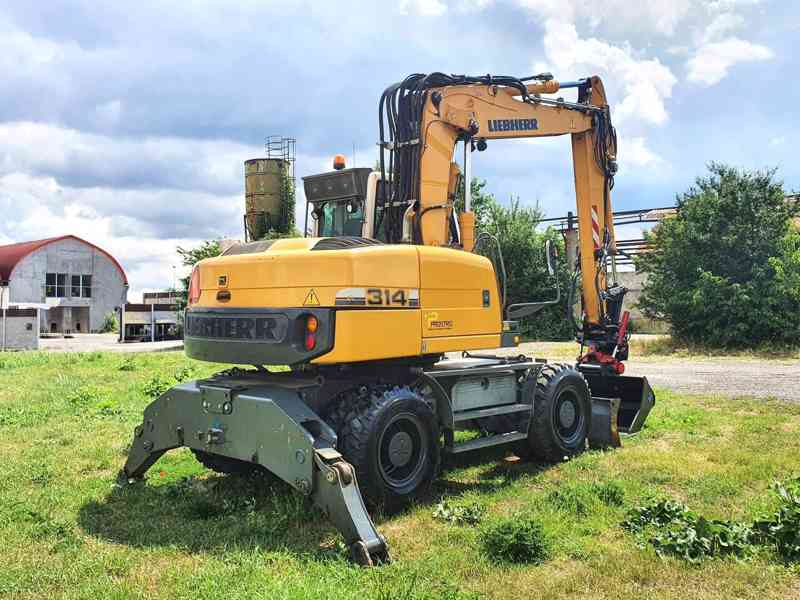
(366, 310)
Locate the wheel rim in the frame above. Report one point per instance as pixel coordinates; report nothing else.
(569, 418)
(402, 451)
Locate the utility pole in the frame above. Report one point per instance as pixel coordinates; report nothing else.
(4, 304)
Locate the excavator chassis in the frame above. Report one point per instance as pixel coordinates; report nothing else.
(267, 419)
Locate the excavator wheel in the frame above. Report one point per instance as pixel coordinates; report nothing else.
(562, 411)
(390, 435)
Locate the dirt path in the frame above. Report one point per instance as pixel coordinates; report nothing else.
(725, 376)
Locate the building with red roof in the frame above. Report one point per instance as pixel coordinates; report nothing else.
(74, 282)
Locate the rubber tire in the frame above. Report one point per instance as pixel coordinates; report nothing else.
(359, 417)
(226, 465)
(544, 443)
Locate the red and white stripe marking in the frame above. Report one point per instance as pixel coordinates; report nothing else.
(595, 228)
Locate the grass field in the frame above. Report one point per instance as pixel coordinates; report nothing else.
(66, 531)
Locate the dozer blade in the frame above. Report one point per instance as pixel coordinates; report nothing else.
(268, 425)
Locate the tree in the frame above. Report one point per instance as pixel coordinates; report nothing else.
(725, 271)
(110, 323)
(527, 278)
(522, 246)
(480, 199)
(190, 257)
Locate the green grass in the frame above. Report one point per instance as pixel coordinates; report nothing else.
(66, 532)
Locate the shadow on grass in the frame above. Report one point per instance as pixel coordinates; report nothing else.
(222, 512)
(210, 514)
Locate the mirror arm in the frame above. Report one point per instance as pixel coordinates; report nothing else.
(526, 309)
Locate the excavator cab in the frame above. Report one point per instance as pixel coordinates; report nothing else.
(342, 203)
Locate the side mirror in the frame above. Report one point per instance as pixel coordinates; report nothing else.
(551, 254)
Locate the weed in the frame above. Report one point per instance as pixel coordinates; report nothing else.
(108, 407)
(467, 514)
(85, 395)
(184, 374)
(160, 383)
(517, 539)
(157, 385)
(671, 528)
(129, 364)
(782, 529)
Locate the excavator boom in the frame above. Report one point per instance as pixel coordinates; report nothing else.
(477, 109)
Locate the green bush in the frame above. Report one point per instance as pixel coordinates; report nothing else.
(725, 271)
(518, 539)
(522, 246)
(110, 323)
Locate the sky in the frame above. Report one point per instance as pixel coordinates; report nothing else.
(127, 124)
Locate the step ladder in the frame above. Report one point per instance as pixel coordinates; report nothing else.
(499, 439)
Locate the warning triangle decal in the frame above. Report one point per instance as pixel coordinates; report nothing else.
(311, 299)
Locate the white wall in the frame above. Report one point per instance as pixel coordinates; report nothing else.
(18, 336)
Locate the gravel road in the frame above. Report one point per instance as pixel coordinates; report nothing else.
(725, 376)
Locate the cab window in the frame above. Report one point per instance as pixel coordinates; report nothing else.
(340, 219)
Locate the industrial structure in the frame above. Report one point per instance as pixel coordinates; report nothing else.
(72, 283)
(269, 190)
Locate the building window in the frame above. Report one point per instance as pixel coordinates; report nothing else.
(75, 292)
(86, 286)
(55, 286)
(50, 285)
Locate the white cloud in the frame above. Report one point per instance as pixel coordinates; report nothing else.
(425, 8)
(634, 152)
(616, 15)
(644, 83)
(722, 24)
(712, 61)
(147, 261)
(466, 6)
(88, 159)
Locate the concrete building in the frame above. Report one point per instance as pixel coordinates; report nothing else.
(75, 283)
(169, 297)
(150, 322)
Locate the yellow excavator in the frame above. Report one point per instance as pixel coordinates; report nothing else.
(368, 311)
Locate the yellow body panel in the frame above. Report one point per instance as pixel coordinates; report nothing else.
(459, 343)
(458, 309)
(452, 283)
(374, 334)
(284, 275)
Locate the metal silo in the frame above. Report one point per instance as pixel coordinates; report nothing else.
(269, 189)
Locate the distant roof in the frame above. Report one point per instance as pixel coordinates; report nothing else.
(11, 254)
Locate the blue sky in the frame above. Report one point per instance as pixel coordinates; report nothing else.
(128, 123)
